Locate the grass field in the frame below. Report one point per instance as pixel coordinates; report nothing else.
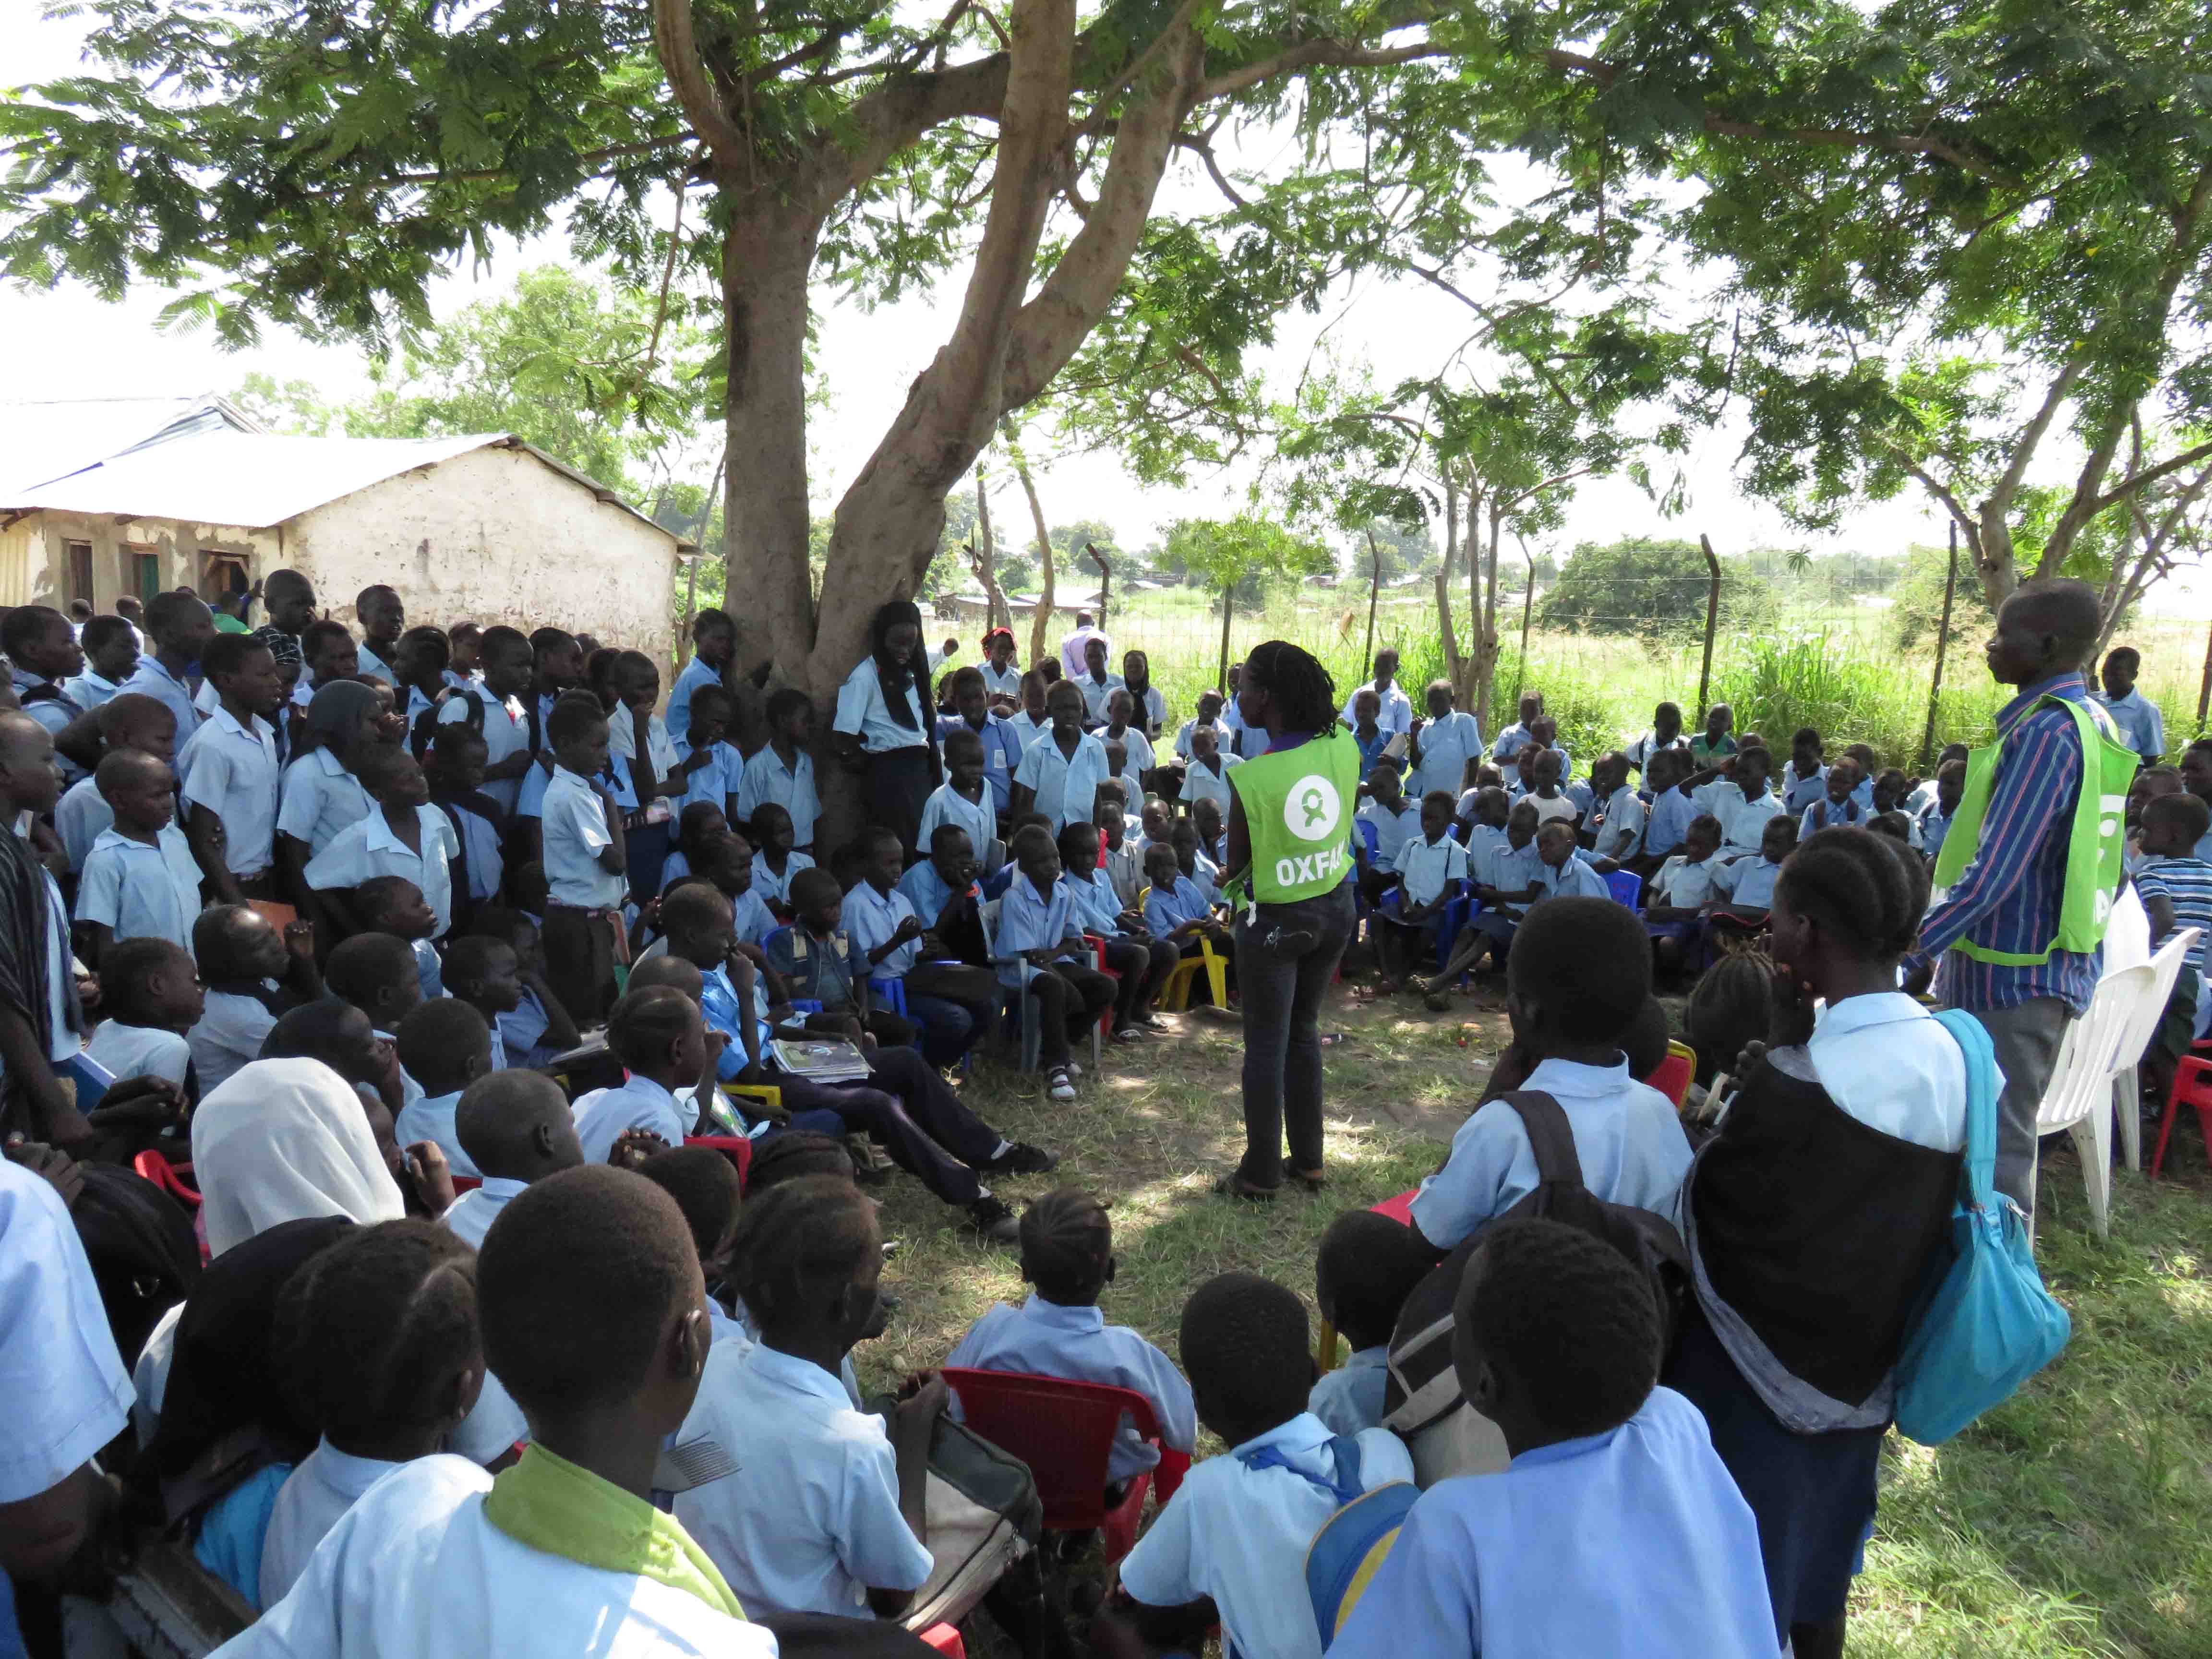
(1834, 668)
(2075, 1520)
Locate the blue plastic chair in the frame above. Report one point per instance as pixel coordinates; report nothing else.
(1626, 886)
(1444, 930)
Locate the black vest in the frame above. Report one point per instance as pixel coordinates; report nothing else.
(1822, 1233)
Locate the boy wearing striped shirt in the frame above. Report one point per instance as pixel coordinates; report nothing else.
(2175, 886)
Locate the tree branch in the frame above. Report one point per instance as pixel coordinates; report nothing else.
(1899, 143)
(1316, 54)
(678, 48)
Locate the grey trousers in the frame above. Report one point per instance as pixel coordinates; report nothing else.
(2026, 1038)
(1283, 988)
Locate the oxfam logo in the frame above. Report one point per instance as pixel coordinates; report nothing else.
(1312, 809)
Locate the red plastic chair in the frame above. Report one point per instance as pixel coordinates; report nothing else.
(736, 1148)
(944, 1639)
(466, 1184)
(1399, 1209)
(1065, 1431)
(2191, 1086)
(1672, 1078)
(169, 1177)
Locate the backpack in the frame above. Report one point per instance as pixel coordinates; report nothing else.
(983, 1516)
(1422, 1396)
(1351, 1547)
(1990, 1324)
(140, 1242)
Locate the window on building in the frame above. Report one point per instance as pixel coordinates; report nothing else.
(142, 566)
(79, 571)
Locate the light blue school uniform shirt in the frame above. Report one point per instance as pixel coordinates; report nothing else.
(1743, 822)
(1046, 1339)
(1349, 1399)
(1239, 1533)
(1027, 730)
(1627, 1137)
(232, 770)
(1096, 692)
(1002, 753)
(1030, 922)
(318, 798)
(1515, 869)
(1573, 879)
(368, 848)
(506, 733)
(152, 680)
(1201, 782)
(1632, 1541)
(373, 665)
(1666, 822)
(431, 1118)
(1624, 811)
(754, 920)
(724, 1012)
(604, 1116)
(1392, 830)
(946, 804)
(1396, 713)
(768, 885)
(863, 713)
(928, 891)
(1935, 826)
(482, 864)
(576, 832)
(141, 891)
(1798, 793)
(1825, 814)
(1169, 908)
(1748, 882)
(871, 918)
(1001, 682)
(1096, 909)
(1681, 885)
(1447, 745)
(765, 778)
(2143, 727)
(1426, 868)
(89, 690)
(468, 1217)
(1137, 759)
(1066, 785)
(67, 1393)
(714, 782)
(1484, 844)
(695, 674)
(810, 1522)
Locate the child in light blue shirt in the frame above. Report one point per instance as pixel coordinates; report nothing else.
(1615, 1530)
(445, 1046)
(780, 772)
(712, 771)
(779, 859)
(140, 880)
(1067, 1256)
(1577, 979)
(1237, 1529)
(1368, 1265)
(1039, 950)
(1395, 821)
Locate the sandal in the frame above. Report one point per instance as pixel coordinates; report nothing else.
(1312, 1180)
(1233, 1185)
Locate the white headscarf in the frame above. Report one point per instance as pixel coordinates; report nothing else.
(283, 1140)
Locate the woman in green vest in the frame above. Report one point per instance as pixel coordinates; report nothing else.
(1289, 825)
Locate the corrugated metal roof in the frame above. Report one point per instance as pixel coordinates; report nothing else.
(45, 439)
(256, 479)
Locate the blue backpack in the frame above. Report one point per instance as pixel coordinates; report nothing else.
(1353, 1543)
(1991, 1325)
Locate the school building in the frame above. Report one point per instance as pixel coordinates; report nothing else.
(100, 498)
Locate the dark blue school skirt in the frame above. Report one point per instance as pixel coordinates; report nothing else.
(1813, 1494)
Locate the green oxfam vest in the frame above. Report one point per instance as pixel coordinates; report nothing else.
(1297, 805)
(2096, 849)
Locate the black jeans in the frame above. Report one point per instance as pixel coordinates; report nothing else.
(1144, 966)
(1069, 997)
(910, 1111)
(1283, 983)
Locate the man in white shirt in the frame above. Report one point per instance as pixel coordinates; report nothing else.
(1397, 712)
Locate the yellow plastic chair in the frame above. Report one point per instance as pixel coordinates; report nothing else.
(1174, 995)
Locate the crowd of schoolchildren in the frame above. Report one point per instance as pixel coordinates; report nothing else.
(334, 907)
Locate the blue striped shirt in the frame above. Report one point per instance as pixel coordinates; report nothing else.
(2009, 897)
(2186, 883)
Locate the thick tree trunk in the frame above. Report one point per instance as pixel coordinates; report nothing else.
(1040, 615)
(768, 586)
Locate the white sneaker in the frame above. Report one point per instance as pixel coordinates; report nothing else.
(1063, 1087)
(1074, 1069)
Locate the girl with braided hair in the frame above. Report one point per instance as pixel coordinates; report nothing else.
(1814, 1216)
(886, 722)
(1290, 824)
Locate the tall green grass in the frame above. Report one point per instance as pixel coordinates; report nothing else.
(1776, 685)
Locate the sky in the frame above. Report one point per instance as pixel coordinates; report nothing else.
(67, 343)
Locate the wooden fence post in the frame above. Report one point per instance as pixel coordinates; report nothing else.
(1712, 620)
(1374, 592)
(1942, 644)
(1228, 604)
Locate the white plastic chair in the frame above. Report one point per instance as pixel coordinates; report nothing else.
(2174, 957)
(2079, 1098)
(2127, 931)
